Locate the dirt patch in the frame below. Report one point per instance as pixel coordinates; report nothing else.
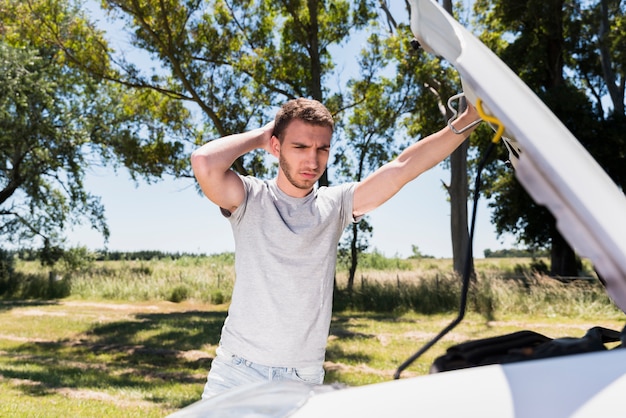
(384, 339)
(19, 382)
(37, 312)
(101, 396)
(114, 306)
(23, 339)
(427, 336)
(194, 355)
(363, 368)
(82, 394)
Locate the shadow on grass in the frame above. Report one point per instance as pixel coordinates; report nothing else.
(176, 331)
(150, 353)
(345, 328)
(157, 355)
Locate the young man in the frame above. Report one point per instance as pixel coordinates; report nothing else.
(286, 234)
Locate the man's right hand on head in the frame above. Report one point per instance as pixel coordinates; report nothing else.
(268, 132)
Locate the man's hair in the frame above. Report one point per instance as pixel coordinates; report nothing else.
(307, 110)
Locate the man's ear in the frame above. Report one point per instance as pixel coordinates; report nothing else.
(274, 146)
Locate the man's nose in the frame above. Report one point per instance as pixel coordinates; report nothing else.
(312, 159)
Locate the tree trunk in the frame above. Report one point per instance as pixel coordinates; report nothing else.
(562, 257)
(458, 191)
(447, 6)
(615, 91)
(354, 257)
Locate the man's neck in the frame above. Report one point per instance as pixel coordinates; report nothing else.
(289, 189)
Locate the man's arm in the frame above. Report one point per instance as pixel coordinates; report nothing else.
(211, 165)
(421, 156)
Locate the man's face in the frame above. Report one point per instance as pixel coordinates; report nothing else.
(302, 156)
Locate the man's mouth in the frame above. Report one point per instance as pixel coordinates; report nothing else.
(308, 175)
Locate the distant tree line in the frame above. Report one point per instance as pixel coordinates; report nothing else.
(516, 252)
(374, 259)
(30, 254)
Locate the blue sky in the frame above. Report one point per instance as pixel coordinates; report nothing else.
(171, 216)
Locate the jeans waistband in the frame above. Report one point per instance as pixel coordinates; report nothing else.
(221, 351)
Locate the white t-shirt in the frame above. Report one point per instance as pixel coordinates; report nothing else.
(285, 255)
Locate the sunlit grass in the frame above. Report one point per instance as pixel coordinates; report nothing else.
(149, 359)
(94, 359)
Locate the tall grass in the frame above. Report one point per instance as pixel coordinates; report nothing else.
(208, 279)
(425, 286)
(489, 295)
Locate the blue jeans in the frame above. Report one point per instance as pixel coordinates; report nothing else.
(229, 370)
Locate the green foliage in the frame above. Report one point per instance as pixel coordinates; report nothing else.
(41, 147)
(354, 243)
(203, 278)
(539, 266)
(42, 286)
(235, 60)
(569, 54)
(60, 115)
(77, 258)
(218, 297)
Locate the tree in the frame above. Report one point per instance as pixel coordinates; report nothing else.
(553, 47)
(600, 63)
(231, 62)
(400, 93)
(459, 193)
(370, 129)
(599, 53)
(56, 121)
(438, 82)
(234, 61)
(538, 32)
(442, 83)
(257, 53)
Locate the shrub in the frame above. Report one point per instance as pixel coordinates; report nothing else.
(539, 266)
(179, 294)
(78, 258)
(217, 297)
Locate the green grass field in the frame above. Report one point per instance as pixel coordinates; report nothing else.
(136, 338)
